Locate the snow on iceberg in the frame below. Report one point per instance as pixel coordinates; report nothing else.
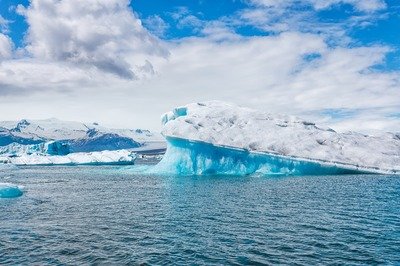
(8, 190)
(120, 157)
(221, 138)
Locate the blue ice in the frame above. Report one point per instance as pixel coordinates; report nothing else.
(9, 191)
(185, 157)
(177, 112)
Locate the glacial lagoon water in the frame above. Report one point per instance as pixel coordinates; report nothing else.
(114, 215)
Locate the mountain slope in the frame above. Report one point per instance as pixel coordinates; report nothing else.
(80, 137)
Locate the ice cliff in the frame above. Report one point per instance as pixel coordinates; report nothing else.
(220, 138)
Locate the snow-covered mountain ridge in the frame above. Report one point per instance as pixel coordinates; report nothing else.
(79, 137)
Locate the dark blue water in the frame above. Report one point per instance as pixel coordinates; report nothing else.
(110, 216)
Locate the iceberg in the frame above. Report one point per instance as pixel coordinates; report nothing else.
(120, 157)
(221, 138)
(8, 190)
(50, 148)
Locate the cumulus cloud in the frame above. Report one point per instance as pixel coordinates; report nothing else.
(294, 73)
(291, 71)
(89, 33)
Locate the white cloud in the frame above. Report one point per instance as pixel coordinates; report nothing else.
(156, 25)
(4, 28)
(218, 31)
(361, 5)
(343, 78)
(271, 73)
(6, 47)
(288, 72)
(185, 19)
(275, 16)
(89, 33)
(268, 73)
(275, 19)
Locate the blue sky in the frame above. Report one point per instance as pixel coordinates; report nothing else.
(334, 61)
(382, 29)
(384, 26)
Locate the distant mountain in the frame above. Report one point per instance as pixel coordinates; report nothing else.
(80, 137)
(7, 137)
(101, 142)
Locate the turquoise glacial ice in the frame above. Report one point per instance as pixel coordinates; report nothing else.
(44, 148)
(10, 191)
(185, 157)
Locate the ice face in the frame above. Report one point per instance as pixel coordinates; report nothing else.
(275, 142)
(56, 148)
(51, 148)
(186, 157)
(8, 190)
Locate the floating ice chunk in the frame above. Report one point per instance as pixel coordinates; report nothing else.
(51, 148)
(120, 157)
(244, 141)
(8, 190)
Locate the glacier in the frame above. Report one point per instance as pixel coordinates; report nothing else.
(8, 190)
(220, 138)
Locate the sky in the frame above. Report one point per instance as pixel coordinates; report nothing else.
(124, 63)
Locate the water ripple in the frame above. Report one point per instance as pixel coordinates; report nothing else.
(111, 216)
